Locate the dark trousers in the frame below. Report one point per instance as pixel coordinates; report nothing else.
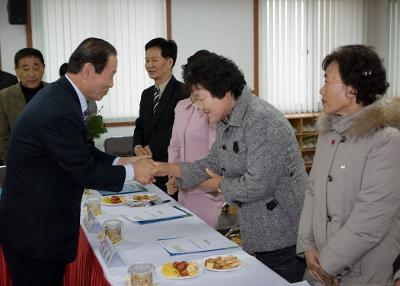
(284, 262)
(28, 271)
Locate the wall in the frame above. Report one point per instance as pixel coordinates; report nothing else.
(221, 26)
(378, 26)
(191, 25)
(213, 25)
(12, 39)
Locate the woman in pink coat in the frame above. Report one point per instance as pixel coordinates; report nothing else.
(192, 137)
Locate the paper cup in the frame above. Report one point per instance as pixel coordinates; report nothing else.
(113, 229)
(141, 274)
(94, 203)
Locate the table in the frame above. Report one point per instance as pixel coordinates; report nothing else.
(140, 244)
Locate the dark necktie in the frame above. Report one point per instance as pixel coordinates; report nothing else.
(156, 98)
(85, 115)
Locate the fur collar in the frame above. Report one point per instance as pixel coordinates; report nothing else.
(382, 113)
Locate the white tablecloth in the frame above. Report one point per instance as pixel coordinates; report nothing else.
(140, 244)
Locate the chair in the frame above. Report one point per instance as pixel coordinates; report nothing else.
(119, 146)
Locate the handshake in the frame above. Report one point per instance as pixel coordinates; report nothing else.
(145, 169)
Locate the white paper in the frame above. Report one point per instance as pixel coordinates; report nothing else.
(302, 283)
(184, 245)
(158, 212)
(90, 221)
(107, 250)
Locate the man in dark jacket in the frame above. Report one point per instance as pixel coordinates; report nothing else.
(7, 79)
(50, 163)
(29, 66)
(156, 114)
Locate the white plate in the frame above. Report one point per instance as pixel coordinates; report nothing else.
(122, 198)
(181, 277)
(223, 270)
(152, 197)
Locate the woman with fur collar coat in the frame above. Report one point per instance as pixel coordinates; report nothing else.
(349, 228)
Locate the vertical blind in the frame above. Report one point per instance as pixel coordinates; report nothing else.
(394, 48)
(295, 37)
(283, 54)
(58, 26)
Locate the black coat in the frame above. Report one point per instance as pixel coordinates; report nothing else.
(48, 165)
(155, 130)
(7, 79)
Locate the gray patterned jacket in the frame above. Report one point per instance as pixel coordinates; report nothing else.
(263, 171)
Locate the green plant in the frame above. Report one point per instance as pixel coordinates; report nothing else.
(95, 126)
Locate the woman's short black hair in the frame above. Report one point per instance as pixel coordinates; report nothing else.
(216, 74)
(186, 68)
(361, 68)
(191, 60)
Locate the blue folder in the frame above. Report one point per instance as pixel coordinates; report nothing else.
(127, 189)
(167, 218)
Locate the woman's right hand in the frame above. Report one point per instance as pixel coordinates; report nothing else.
(171, 186)
(312, 261)
(316, 271)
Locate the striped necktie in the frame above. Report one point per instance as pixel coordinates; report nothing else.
(85, 115)
(156, 98)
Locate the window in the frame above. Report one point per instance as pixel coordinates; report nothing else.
(295, 36)
(394, 48)
(58, 26)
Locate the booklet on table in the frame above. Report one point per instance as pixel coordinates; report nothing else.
(185, 245)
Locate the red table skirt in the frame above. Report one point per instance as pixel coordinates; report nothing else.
(84, 271)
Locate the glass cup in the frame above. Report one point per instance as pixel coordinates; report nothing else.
(141, 274)
(94, 203)
(113, 229)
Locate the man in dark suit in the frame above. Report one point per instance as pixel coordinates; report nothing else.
(50, 163)
(156, 114)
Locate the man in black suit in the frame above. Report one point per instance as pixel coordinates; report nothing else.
(156, 114)
(50, 163)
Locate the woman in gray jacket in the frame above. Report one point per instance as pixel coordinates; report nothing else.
(255, 161)
(350, 224)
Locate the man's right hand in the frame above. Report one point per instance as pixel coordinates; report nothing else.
(141, 151)
(142, 170)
